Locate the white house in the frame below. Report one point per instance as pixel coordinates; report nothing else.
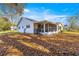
(26, 25)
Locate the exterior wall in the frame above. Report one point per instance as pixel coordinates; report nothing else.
(23, 26)
(61, 27)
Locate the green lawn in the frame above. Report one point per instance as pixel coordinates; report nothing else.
(8, 31)
(71, 32)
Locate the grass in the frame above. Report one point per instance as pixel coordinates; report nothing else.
(7, 32)
(71, 32)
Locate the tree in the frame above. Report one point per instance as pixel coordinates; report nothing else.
(73, 22)
(11, 10)
(5, 24)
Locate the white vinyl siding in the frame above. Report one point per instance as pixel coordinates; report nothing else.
(26, 25)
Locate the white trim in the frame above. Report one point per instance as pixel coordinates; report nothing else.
(49, 33)
(44, 27)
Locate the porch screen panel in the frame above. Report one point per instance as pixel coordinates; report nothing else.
(41, 28)
(46, 27)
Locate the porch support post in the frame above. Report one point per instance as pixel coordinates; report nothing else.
(57, 28)
(44, 28)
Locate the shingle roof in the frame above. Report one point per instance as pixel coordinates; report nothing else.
(30, 19)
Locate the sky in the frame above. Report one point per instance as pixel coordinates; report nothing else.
(54, 12)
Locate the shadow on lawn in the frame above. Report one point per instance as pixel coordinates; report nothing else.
(28, 51)
(23, 48)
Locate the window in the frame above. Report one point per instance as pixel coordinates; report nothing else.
(18, 27)
(28, 26)
(41, 28)
(46, 30)
(51, 29)
(22, 27)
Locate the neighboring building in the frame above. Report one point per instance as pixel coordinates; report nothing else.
(26, 25)
(13, 27)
